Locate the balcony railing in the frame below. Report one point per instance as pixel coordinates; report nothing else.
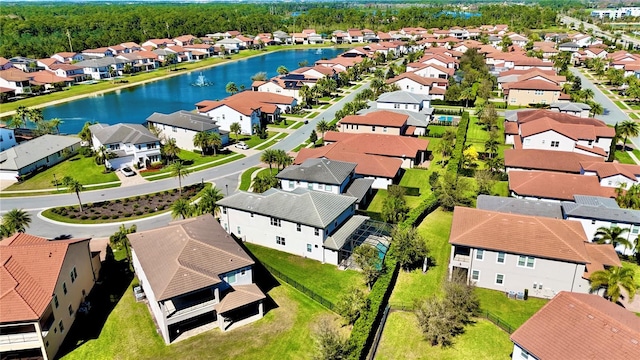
(7, 339)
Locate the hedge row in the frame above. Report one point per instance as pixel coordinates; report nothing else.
(440, 111)
(364, 329)
(417, 214)
(461, 138)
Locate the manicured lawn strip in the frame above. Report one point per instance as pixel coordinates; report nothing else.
(620, 104)
(435, 130)
(190, 159)
(166, 172)
(129, 333)
(324, 279)
(313, 115)
(476, 133)
(79, 167)
(355, 87)
(282, 124)
(54, 192)
(633, 106)
(271, 142)
(253, 141)
(636, 152)
(296, 115)
(265, 172)
(414, 285)
(624, 158)
(513, 312)
(245, 178)
(297, 125)
(500, 188)
(634, 116)
(418, 178)
(402, 339)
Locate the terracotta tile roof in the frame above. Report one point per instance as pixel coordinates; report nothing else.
(187, 255)
(600, 255)
(511, 128)
(377, 118)
(48, 61)
(603, 130)
(344, 61)
(46, 77)
(420, 66)
(368, 165)
(532, 85)
(29, 271)
(246, 102)
(534, 159)
(531, 61)
(240, 295)
(606, 169)
(580, 326)
(519, 234)
(13, 74)
(374, 144)
(65, 67)
(594, 150)
(573, 131)
(437, 91)
(65, 55)
(554, 185)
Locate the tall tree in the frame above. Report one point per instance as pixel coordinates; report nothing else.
(627, 129)
(368, 260)
(119, 239)
(208, 202)
(179, 170)
(437, 320)
(283, 159)
(262, 183)
(408, 247)
(269, 156)
(181, 208)
(613, 280)
(394, 207)
(170, 149)
(231, 88)
(16, 220)
(75, 186)
(236, 128)
(461, 296)
(351, 304)
(322, 126)
(628, 198)
(282, 70)
(613, 236)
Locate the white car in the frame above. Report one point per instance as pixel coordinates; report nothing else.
(126, 171)
(242, 145)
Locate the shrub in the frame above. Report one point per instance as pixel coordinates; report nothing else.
(118, 201)
(115, 216)
(93, 217)
(135, 206)
(127, 214)
(72, 216)
(85, 151)
(126, 200)
(138, 213)
(104, 217)
(84, 217)
(137, 197)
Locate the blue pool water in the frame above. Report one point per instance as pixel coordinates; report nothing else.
(445, 118)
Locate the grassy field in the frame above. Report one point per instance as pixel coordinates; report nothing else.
(80, 168)
(417, 178)
(476, 134)
(436, 130)
(129, 333)
(621, 104)
(501, 188)
(253, 141)
(514, 312)
(324, 279)
(414, 285)
(402, 339)
(282, 124)
(624, 158)
(271, 142)
(245, 178)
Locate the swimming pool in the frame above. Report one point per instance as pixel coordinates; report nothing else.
(445, 118)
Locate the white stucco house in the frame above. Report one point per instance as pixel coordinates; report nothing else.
(132, 144)
(193, 271)
(318, 174)
(34, 155)
(612, 174)
(182, 126)
(225, 113)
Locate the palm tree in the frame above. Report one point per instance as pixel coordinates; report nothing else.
(20, 118)
(605, 235)
(628, 128)
(202, 140)
(179, 170)
(323, 127)
(263, 183)
(596, 109)
(282, 70)
(466, 95)
(171, 149)
(119, 238)
(102, 155)
(492, 146)
(306, 94)
(231, 88)
(55, 123)
(236, 128)
(16, 220)
(208, 203)
(75, 186)
(269, 156)
(283, 159)
(587, 94)
(377, 85)
(613, 280)
(215, 141)
(181, 207)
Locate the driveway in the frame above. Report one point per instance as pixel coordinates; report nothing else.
(613, 114)
(137, 179)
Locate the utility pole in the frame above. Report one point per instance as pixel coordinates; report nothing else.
(69, 37)
(167, 26)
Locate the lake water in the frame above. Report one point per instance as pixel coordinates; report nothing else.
(135, 104)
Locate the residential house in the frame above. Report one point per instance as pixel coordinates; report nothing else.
(612, 174)
(184, 40)
(554, 186)
(5, 64)
(286, 85)
(355, 35)
(518, 40)
(543, 160)
(130, 47)
(318, 174)
(132, 145)
(103, 68)
(519, 253)
(141, 60)
(569, 46)
(595, 212)
(182, 126)
(342, 63)
(44, 284)
(245, 42)
(23, 63)
(230, 46)
(377, 122)
(49, 79)
(523, 93)
(578, 326)
(68, 57)
(47, 62)
(281, 37)
(197, 51)
(68, 71)
(513, 76)
(158, 43)
(519, 206)
(314, 224)
(15, 79)
(34, 155)
(192, 270)
(571, 108)
(98, 52)
(7, 138)
(405, 100)
(317, 72)
(414, 83)
(430, 70)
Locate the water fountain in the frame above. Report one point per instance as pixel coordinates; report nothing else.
(202, 81)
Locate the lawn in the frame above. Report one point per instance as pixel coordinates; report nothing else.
(636, 152)
(129, 333)
(245, 179)
(80, 168)
(402, 339)
(513, 312)
(436, 130)
(634, 116)
(624, 158)
(324, 279)
(414, 285)
(621, 105)
(500, 188)
(195, 162)
(271, 142)
(253, 141)
(282, 124)
(418, 178)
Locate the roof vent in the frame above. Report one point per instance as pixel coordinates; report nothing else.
(590, 316)
(615, 330)
(634, 341)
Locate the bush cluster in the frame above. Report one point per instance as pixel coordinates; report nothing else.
(461, 137)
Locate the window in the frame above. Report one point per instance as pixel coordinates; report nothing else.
(231, 278)
(174, 129)
(501, 257)
(555, 144)
(276, 222)
(526, 261)
(239, 230)
(309, 247)
(70, 310)
(590, 142)
(524, 354)
(292, 184)
(635, 229)
(310, 186)
(373, 128)
(316, 232)
(61, 326)
(499, 279)
(479, 254)
(64, 288)
(55, 301)
(384, 129)
(73, 275)
(139, 147)
(243, 272)
(327, 187)
(320, 187)
(539, 92)
(224, 210)
(475, 275)
(535, 285)
(280, 241)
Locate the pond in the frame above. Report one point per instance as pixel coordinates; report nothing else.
(135, 104)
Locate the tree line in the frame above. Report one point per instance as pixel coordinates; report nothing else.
(41, 30)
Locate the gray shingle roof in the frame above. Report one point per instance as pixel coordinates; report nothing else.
(570, 106)
(519, 206)
(303, 206)
(359, 188)
(598, 208)
(184, 120)
(31, 151)
(101, 62)
(403, 97)
(596, 201)
(122, 133)
(319, 170)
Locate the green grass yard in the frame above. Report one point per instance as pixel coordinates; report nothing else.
(282, 124)
(324, 279)
(624, 158)
(513, 312)
(192, 160)
(80, 168)
(476, 133)
(402, 339)
(245, 178)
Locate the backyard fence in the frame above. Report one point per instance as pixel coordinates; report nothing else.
(376, 339)
(303, 289)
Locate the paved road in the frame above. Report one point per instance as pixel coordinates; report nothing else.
(226, 177)
(625, 39)
(613, 113)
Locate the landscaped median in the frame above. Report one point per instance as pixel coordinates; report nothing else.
(114, 211)
(195, 163)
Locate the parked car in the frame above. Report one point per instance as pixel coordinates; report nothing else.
(242, 145)
(126, 171)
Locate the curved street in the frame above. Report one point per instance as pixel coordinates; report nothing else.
(225, 177)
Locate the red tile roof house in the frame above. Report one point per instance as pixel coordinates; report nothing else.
(555, 186)
(193, 270)
(414, 83)
(430, 70)
(379, 122)
(543, 160)
(523, 93)
(555, 131)
(578, 326)
(517, 253)
(42, 285)
(612, 174)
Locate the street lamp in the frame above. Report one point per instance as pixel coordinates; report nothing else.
(55, 181)
(227, 186)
